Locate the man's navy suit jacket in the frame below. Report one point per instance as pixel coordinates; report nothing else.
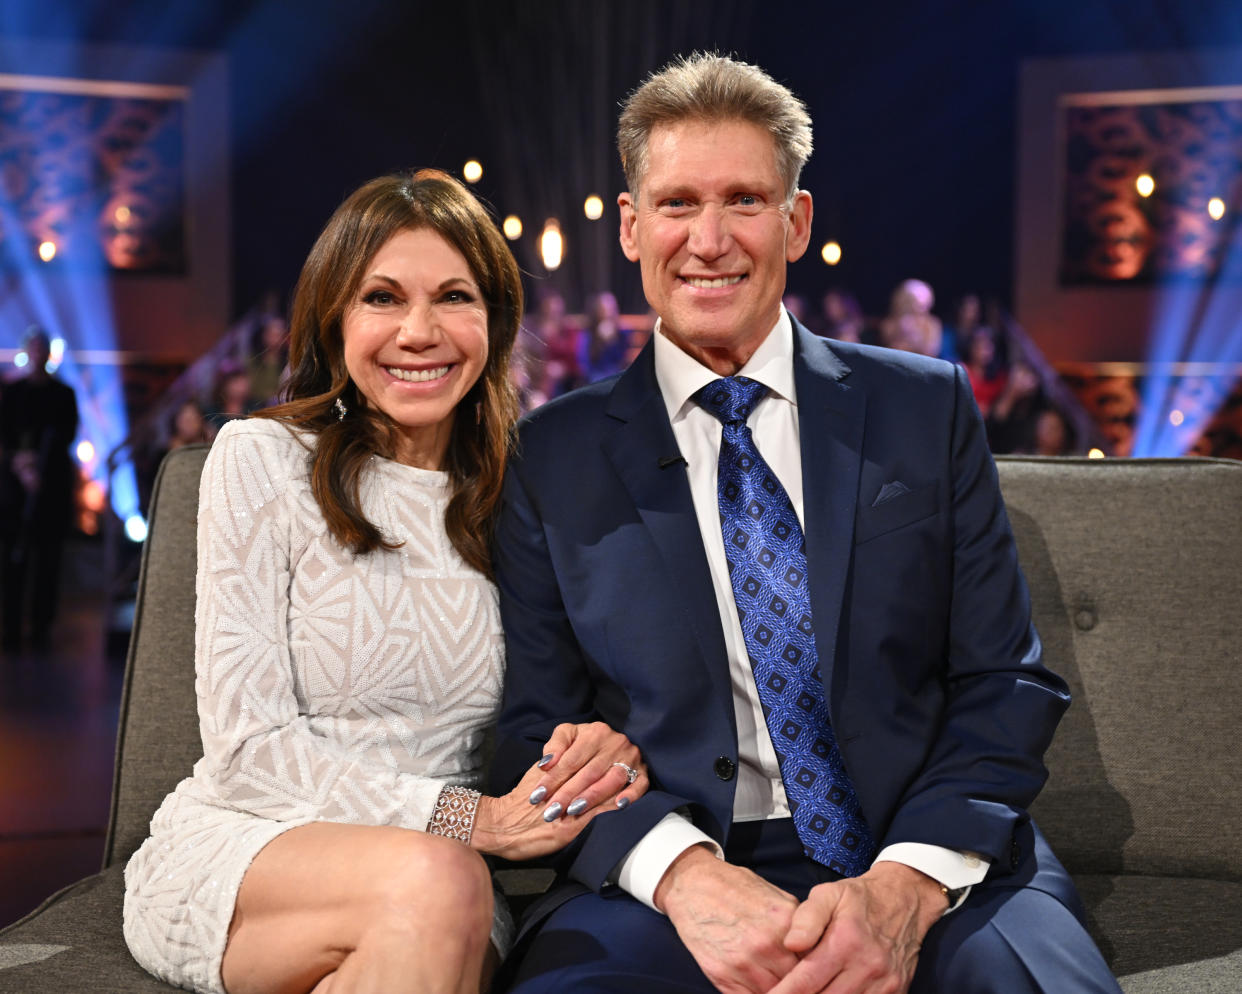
(932, 668)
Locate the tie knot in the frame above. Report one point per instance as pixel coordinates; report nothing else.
(731, 398)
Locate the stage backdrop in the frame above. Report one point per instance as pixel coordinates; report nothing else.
(118, 158)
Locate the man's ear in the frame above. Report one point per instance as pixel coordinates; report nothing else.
(629, 218)
(799, 226)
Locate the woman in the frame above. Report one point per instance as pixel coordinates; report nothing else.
(985, 368)
(188, 426)
(348, 644)
(910, 324)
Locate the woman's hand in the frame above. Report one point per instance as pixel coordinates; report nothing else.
(581, 776)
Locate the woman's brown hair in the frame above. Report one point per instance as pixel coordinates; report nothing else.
(482, 425)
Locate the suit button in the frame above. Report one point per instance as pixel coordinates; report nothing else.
(1015, 855)
(725, 768)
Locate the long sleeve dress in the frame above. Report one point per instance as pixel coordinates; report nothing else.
(331, 687)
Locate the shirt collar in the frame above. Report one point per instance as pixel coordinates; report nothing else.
(680, 375)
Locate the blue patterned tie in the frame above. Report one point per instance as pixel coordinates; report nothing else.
(767, 566)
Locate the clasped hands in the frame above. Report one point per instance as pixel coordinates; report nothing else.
(582, 775)
(853, 936)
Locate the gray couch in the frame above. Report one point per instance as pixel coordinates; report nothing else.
(1136, 575)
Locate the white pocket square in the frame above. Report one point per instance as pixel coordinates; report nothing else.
(890, 491)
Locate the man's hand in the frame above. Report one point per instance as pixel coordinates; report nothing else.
(733, 921)
(862, 935)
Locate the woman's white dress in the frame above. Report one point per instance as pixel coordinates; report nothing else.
(331, 687)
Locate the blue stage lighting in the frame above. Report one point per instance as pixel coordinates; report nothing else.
(135, 528)
(1195, 353)
(70, 296)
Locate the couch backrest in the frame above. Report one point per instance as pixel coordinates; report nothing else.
(1135, 568)
(157, 738)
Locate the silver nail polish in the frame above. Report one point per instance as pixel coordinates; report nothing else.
(577, 807)
(545, 760)
(623, 802)
(552, 811)
(538, 794)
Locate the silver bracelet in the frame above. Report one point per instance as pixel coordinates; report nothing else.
(453, 815)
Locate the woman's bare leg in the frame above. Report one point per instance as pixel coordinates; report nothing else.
(350, 908)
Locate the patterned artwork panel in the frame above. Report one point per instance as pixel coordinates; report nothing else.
(1209, 419)
(101, 177)
(1113, 233)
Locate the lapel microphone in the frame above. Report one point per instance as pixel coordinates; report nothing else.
(667, 461)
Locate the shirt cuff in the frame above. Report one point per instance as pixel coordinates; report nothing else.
(949, 867)
(644, 866)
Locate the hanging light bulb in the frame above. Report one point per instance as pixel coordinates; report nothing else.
(551, 244)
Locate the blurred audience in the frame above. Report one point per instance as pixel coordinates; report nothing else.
(265, 369)
(556, 352)
(188, 426)
(985, 367)
(796, 305)
(910, 325)
(603, 347)
(1054, 436)
(841, 317)
(967, 316)
(1013, 413)
(230, 399)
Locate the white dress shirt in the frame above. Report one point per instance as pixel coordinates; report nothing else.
(760, 792)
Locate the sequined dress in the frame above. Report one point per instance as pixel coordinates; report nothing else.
(330, 687)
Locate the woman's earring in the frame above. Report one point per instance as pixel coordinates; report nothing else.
(338, 405)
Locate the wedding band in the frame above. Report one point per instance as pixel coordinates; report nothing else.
(631, 774)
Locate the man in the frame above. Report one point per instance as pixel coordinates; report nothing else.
(38, 421)
(796, 590)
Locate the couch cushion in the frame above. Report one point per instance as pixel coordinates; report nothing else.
(1212, 976)
(1180, 927)
(1135, 568)
(73, 943)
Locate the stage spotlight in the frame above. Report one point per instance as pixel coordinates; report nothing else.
(831, 253)
(20, 360)
(472, 171)
(593, 208)
(1145, 185)
(512, 227)
(47, 251)
(93, 496)
(1176, 418)
(122, 214)
(551, 244)
(1095, 454)
(135, 528)
(85, 451)
(1216, 208)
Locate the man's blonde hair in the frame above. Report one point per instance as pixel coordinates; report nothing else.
(709, 87)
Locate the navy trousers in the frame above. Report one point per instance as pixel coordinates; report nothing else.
(1003, 940)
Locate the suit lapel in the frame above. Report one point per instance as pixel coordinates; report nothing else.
(831, 414)
(642, 450)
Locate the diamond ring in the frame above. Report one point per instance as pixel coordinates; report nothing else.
(631, 774)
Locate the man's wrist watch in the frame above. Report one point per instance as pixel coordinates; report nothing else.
(953, 895)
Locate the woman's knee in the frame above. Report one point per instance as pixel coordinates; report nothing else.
(429, 873)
